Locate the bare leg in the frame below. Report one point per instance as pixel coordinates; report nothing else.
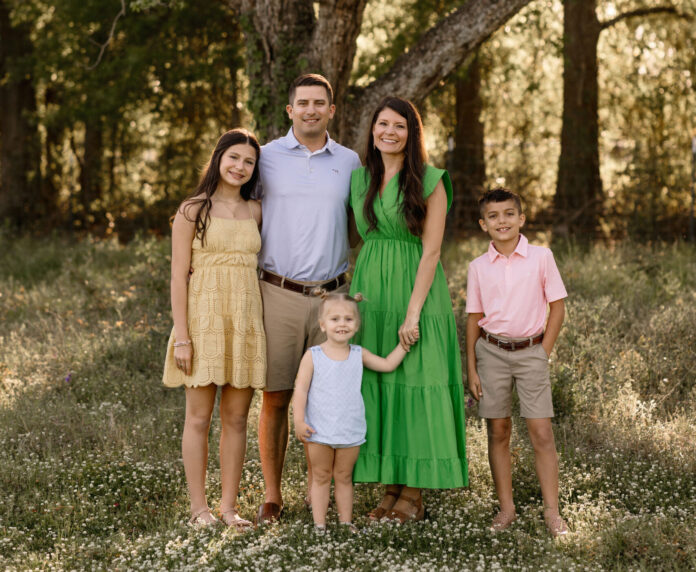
(308, 496)
(273, 440)
(499, 431)
(546, 460)
(234, 410)
(344, 461)
(200, 402)
(322, 457)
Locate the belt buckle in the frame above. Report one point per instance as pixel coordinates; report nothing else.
(512, 346)
(306, 292)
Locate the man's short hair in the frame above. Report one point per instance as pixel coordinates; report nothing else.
(310, 79)
(499, 195)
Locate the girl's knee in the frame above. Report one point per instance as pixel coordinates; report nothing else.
(200, 423)
(321, 475)
(234, 423)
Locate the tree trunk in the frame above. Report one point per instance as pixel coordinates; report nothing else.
(91, 167)
(285, 38)
(579, 186)
(20, 190)
(468, 163)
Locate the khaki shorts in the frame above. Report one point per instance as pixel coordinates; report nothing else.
(527, 369)
(291, 321)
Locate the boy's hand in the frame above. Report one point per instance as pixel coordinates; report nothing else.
(475, 386)
(303, 431)
(546, 347)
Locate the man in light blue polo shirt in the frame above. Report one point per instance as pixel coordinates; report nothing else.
(304, 188)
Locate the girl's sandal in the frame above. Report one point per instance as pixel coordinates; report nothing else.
(350, 527)
(235, 521)
(197, 520)
(380, 512)
(555, 523)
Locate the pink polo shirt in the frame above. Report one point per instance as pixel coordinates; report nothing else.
(513, 292)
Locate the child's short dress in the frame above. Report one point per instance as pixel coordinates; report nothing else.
(225, 313)
(335, 408)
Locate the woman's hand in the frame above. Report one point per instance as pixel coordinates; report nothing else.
(183, 355)
(303, 431)
(409, 332)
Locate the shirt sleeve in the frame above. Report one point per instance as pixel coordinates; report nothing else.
(431, 177)
(474, 305)
(554, 288)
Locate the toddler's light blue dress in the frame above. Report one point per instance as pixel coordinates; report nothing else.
(335, 408)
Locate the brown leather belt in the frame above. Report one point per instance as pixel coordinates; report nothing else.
(510, 345)
(300, 287)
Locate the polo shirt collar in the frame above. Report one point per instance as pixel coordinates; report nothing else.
(291, 142)
(521, 249)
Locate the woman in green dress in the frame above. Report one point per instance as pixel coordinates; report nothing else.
(415, 415)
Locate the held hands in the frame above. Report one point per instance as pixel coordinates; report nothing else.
(409, 332)
(303, 431)
(183, 355)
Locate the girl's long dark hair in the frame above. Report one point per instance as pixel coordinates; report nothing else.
(411, 174)
(199, 201)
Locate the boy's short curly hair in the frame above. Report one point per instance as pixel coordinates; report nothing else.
(499, 195)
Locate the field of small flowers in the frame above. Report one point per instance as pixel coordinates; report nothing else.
(90, 469)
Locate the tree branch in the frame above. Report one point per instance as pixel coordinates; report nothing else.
(122, 12)
(437, 54)
(669, 9)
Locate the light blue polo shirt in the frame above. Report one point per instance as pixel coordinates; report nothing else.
(304, 196)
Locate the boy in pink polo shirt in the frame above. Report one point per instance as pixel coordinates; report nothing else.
(508, 290)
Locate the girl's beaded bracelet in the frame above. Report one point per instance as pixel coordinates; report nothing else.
(179, 344)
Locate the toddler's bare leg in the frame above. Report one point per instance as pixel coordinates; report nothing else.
(322, 459)
(499, 431)
(344, 462)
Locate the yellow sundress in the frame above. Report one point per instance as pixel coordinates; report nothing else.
(225, 313)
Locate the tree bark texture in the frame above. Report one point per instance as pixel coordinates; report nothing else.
(91, 165)
(579, 186)
(19, 142)
(285, 38)
(468, 166)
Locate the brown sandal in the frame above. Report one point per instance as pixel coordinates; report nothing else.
(402, 517)
(380, 512)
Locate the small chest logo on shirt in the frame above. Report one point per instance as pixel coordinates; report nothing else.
(335, 171)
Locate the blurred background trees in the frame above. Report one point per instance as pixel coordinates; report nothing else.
(584, 107)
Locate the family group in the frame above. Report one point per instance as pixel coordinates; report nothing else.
(261, 300)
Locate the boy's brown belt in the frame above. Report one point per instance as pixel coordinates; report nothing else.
(511, 346)
(299, 287)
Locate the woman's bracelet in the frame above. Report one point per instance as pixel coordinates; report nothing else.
(179, 344)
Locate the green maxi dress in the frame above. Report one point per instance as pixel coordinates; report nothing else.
(415, 415)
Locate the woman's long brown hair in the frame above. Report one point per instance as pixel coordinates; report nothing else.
(411, 174)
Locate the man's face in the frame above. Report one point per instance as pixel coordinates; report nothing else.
(310, 112)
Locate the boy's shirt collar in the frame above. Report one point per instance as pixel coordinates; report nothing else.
(520, 249)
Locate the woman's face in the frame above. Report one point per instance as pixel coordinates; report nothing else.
(237, 164)
(390, 132)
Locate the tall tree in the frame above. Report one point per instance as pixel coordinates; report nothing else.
(287, 37)
(468, 165)
(19, 141)
(579, 186)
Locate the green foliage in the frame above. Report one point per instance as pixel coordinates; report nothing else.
(90, 470)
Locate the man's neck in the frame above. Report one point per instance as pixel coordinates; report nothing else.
(313, 144)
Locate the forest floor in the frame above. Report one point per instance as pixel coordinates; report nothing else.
(90, 466)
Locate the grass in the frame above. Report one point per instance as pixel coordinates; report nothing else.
(90, 464)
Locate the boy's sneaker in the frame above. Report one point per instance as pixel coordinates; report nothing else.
(502, 520)
(555, 523)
